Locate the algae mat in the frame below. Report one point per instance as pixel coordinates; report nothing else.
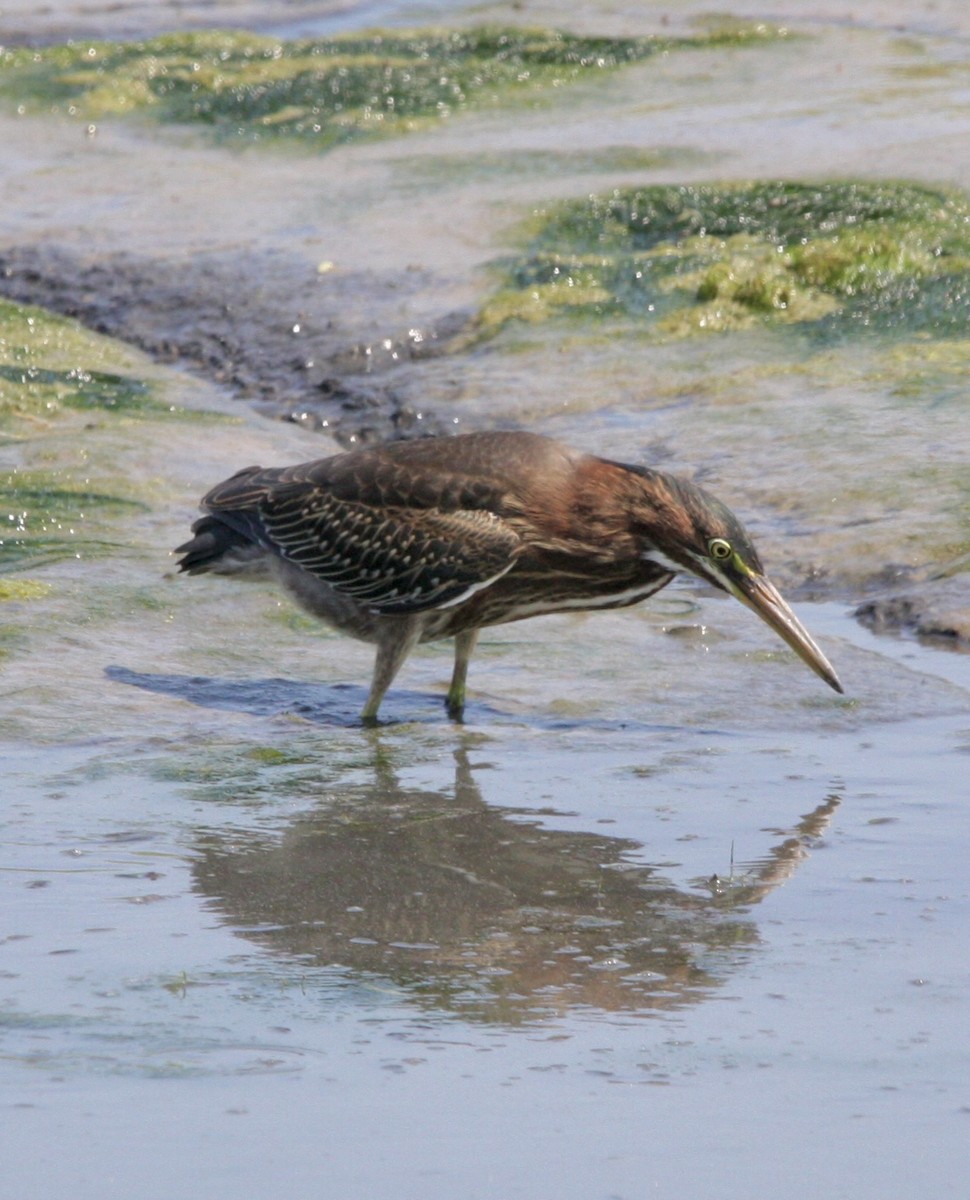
(838, 258)
(328, 91)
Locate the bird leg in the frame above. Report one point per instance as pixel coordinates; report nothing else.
(396, 638)
(464, 645)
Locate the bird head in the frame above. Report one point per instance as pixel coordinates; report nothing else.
(685, 528)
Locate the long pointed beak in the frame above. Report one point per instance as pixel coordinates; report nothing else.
(764, 598)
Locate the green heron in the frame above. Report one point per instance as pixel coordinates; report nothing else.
(414, 541)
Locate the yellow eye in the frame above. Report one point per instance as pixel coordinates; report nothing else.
(719, 549)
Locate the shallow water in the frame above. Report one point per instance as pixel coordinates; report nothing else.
(692, 926)
(700, 912)
(303, 946)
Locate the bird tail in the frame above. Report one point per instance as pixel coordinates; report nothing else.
(225, 544)
(229, 538)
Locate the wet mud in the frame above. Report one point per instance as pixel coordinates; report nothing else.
(936, 613)
(255, 324)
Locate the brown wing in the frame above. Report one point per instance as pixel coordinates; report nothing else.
(395, 538)
(395, 560)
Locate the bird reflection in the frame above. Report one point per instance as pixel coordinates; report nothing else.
(482, 910)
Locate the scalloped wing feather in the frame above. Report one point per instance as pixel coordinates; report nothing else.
(397, 560)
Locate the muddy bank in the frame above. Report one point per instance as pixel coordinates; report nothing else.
(302, 346)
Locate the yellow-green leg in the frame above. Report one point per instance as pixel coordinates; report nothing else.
(464, 645)
(395, 641)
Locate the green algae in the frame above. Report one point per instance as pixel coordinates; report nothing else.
(833, 259)
(14, 590)
(49, 364)
(42, 519)
(51, 370)
(454, 170)
(12, 640)
(324, 92)
(41, 390)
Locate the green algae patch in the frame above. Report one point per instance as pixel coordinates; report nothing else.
(453, 170)
(831, 258)
(51, 364)
(43, 519)
(324, 92)
(13, 590)
(57, 381)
